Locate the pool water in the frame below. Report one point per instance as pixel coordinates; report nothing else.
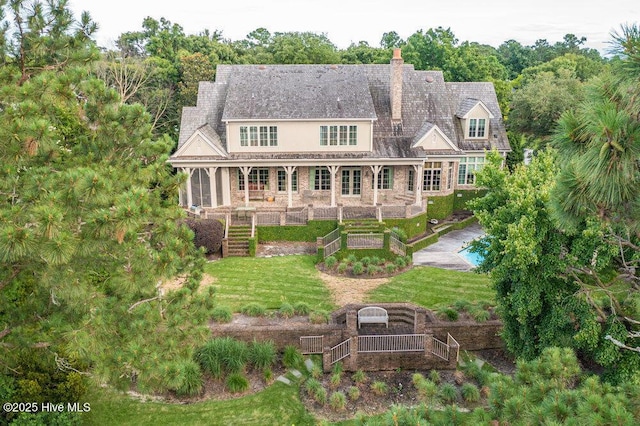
(474, 258)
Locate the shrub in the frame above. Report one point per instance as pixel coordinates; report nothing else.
(237, 383)
(221, 313)
(462, 305)
(354, 393)
(222, 354)
(390, 268)
(400, 233)
(301, 308)
(286, 310)
(359, 377)
(352, 258)
(319, 317)
(373, 269)
(434, 376)
(311, 386)
(292, 357)
(375, 260)
(400, 262)
(316, 371)
(183, 377)
(338, 401)
(365, 261)
(448, 392)
(254, 309)
(208, 233)
(267, 375)
(262, 354)
(481, 315)
(449, 314)
(417, 379)
(320, 395)
(337, 368)
(330, 262)
(470, 392)
(336, 378)
(342, 267)
(427, 390)
(358, 268)
(379, 388)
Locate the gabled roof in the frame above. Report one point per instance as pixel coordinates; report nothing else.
(204, 142)
(298, 92)
(431, 138)
(468, 104)
(344, 92)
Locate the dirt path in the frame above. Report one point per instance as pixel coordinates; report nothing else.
(350, 290)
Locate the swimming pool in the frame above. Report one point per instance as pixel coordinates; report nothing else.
(474, 258)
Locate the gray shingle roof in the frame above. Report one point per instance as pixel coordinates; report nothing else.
(286, 92)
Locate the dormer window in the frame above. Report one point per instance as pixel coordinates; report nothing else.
(477, 127)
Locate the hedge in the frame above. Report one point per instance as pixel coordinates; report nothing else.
(461, 197)
(412, 227)
(308, 233)
(440, 207)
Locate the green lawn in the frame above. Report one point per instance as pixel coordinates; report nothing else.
(269, 281)
(277, 405)
(434, 288)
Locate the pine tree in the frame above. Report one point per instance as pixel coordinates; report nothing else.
(89, 224)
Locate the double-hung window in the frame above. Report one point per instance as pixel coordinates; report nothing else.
(258, 179)
(467, 169)
(432, 176)
(258, 135)
(282, 180)
(477, 127)
(385, 178)
(338, 135)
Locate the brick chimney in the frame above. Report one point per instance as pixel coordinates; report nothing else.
(396, 85)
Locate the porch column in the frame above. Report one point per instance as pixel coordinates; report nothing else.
(333, 170)
(418, 183)
(376, 172)
(181, 200)
(289, 171)
(189, 193)
(212, 186)
(245, 172)
(226, 186)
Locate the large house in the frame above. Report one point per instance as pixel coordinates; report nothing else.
(290, 136)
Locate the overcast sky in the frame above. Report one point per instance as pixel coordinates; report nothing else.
(350, 21)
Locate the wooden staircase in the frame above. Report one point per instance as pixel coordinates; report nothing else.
(238, 240)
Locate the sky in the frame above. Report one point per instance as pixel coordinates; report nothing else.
(350, 21)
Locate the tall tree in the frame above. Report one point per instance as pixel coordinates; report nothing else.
(534, 266)
(89, 227)
(599, 145)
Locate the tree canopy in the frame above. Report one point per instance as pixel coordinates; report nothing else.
(89, 225)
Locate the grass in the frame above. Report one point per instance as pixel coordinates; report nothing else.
(269, 282)
(278, 404)
(434, 288)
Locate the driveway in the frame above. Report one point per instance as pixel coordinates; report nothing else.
(444, 253)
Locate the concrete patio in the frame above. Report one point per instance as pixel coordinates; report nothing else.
(444, 253)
